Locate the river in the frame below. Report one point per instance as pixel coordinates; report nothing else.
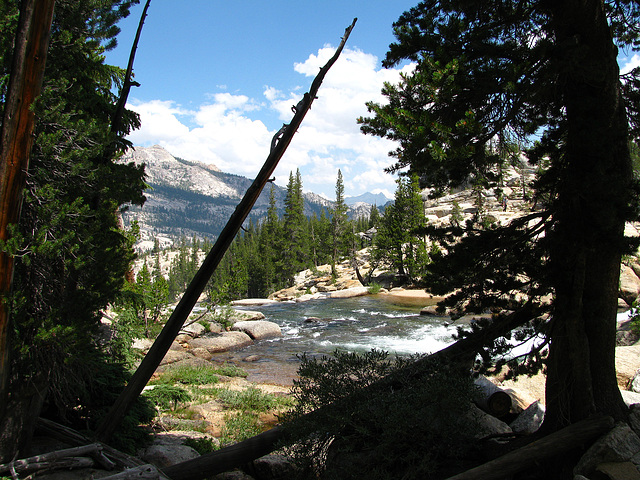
(353, 324)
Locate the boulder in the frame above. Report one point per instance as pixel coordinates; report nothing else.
(222, 342)
(253, 301)
(627, 363)
(183, 338)
(308, 296)
(630, 398)
(193, 330)
(619, 445)
(143, 344)
(258, 329)
(432, 311)
(629, 285)
(166, 455)
(245, 315)
(619, 470)
(634, 418)
(529, 420)
(233, 475)
(349, 292)
(634, 385)
(486, 424)
(272, 467)
(173, 356)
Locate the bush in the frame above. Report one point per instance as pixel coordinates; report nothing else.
(167, 397)
(239, 427)
(374, 288)
(408, 429)
(202, 445)
(251, 399)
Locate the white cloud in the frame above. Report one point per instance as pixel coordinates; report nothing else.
(630, 64)
(228, 131)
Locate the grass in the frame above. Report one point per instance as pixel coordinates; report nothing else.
(252, 399)
(244, 406)
(240, 427)
(197, 375)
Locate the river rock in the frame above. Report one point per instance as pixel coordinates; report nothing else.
(173, 356)
(258, 329)
(308, 296)
(222, 342)
(193, 330)
(245, 315)
(253, 301)
(349, 292)
(432, 311)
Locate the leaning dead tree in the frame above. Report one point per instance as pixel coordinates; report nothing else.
(158, 350)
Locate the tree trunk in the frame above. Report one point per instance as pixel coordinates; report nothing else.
(16, 139)
(588, 237)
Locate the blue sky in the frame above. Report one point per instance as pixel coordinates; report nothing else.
(218, 79)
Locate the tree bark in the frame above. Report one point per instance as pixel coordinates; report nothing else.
(171, 329)
(595, 192)
(16, 139)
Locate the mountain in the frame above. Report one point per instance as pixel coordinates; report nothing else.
(187, 198)
(377, 199)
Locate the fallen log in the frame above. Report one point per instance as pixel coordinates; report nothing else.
(552, 445)
(73, 437)
(49, 459)
(491, 398)
(143, 472)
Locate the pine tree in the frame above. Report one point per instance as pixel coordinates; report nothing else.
(72, 255)
(400, 240)
(340, 228)
(549, 70)
(295, 254)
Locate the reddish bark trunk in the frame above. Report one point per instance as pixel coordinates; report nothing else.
(27, 73)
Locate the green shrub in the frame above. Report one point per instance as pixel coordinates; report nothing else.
(239, 427)
(202, 445)
(251, 399)
(374, 288)
(406, 429)
(167, 397)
